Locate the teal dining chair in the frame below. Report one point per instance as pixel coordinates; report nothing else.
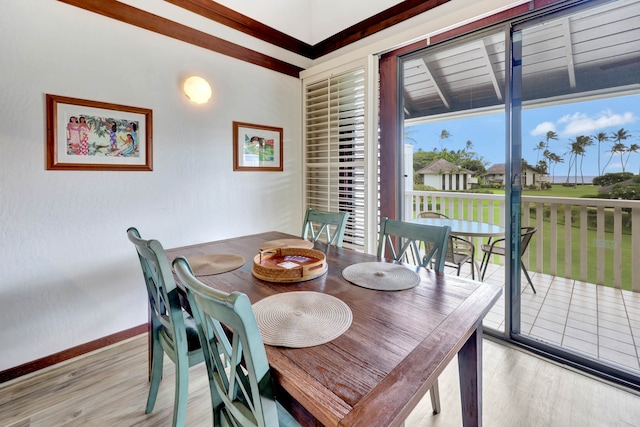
(404, 240)
(332, 223)
(409, 237)
(239, 373)
(173, 331)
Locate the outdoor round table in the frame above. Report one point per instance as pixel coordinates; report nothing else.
(463, 227)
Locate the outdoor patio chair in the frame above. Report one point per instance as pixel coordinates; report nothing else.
(497, 248)
(459, 250)
(432, 214)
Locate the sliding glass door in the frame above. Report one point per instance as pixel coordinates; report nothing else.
(574, 103)
(532, 125)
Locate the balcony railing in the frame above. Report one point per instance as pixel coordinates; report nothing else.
(591, 240)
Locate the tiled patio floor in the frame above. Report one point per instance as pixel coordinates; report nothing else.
(598, 321)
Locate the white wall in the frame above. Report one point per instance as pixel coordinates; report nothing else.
(434, 181)
(68, 274)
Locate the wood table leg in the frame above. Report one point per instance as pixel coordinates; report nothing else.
(470, 371)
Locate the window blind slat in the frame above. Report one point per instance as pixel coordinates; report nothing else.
(334, 162)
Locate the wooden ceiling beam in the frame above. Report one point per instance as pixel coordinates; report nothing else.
(378, 22)
(229, 17)
(142, 19)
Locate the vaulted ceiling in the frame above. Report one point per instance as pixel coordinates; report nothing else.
(582, 53)
(158, 17)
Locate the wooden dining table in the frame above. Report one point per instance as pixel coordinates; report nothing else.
(399, 342)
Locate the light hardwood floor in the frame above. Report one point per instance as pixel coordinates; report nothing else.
(109, 388)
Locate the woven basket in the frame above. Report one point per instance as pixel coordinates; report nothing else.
(306, 264)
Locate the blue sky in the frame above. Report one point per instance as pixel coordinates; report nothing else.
(568, 121)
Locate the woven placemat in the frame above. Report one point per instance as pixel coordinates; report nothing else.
(286, 243)
(206, 265)
(381, 276)
(301, 319)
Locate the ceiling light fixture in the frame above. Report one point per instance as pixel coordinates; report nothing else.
(197, 89)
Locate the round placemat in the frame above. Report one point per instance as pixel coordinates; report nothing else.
(381, 276)
(206, 265)
(287, 243)
(301, 319)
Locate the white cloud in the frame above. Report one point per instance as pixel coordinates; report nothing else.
(582, 124)
(569, 118)
(543, 128)
(574, 124)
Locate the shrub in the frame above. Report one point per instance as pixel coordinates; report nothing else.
(423, 187)
(611, 178)
(625, 192)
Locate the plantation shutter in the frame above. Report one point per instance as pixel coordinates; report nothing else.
(334, 150)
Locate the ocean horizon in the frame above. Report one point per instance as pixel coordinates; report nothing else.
(561, 179)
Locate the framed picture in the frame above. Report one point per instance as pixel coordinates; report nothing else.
(256, 147)
(91, 135)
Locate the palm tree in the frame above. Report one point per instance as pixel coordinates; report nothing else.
(554, 159)
(583, 142)
(618, 147)
(550, 135)
(408, 136)
(540, 147)
(600, 137)
(633, 148)
(577, 149)
(570, 153)
(444, 135)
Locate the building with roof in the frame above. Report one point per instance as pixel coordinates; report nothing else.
(496, 175)
(444, 175)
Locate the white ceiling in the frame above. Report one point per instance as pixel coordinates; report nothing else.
(310, 21)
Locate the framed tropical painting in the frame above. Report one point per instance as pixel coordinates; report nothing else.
(92, 135)
(257, 147)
